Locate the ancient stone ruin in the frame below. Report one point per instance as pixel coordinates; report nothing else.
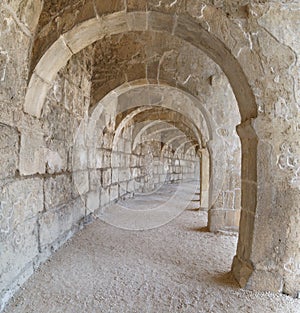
(104, 99)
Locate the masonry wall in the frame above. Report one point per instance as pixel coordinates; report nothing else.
(52, 183)
(255, 43)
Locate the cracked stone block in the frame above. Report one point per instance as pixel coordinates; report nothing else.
(58, 191)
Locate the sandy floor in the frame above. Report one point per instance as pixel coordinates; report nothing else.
(178, 267)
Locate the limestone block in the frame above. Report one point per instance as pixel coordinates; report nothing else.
(128, 133)
(56, 156)
(124, 174)
(29, 12)
(56, 223)
(95, 158)
(131, 186)
(80, 158)
(114, 192)
(136, 5)
(135, 172)
(109, 6)
(127, 147)
(13, 65)
(104, 196)
(93, 201)
(223, 220)
(58, 191)
(229, 199)
(83, 35)
(167, 6)
(115, 159)
(123, 159)
(80, 183)
(163, 178)
(8, 111)
(9, 146)
(3, 61)
(237, 199)
(53, 60)
(20, 200)
(32, 153)
(60, 124)
(265, 280)
(106, 159)
(70, 95)
(127, 158)
(106, 177)
(121, 145)
(95, 180)
(17, 253)
(108, 140)
(115, 175)
(123, 189)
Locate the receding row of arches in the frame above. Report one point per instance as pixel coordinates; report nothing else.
(128, 79)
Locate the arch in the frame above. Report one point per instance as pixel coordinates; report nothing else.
(193, 110)
(183, 27)
(86, 33)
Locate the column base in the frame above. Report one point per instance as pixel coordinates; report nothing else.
(223, 220)
(253, 279)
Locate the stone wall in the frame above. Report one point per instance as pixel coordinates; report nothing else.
(54, 180)
(237, 60)
(40, 209)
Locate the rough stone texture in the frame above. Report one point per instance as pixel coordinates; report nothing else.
(167, 269)
(9, 148)
(77, 81)
(21, 201)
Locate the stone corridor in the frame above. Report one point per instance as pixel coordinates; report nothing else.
(108, 103)
(179, 267)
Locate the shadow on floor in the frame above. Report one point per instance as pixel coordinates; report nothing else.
(193, 210)
(226, 279)
(198, 229)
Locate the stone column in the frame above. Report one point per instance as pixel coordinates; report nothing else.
(224, 196)
(204, 178)
(268, 253)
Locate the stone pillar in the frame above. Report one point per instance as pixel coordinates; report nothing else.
(224, 194)
(268, 253)
(204, 178)
(242, 266)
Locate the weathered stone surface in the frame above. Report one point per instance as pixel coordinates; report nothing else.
(17, 254)
(9, 149)
(114, 192)
(104, 196)
(60, 224)
(93, 201)
(66, 62)
(20, 203)
(58, 191)
(20, 200)
(13, 66)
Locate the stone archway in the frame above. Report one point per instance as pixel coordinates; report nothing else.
(94, 29)
(256, 46)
